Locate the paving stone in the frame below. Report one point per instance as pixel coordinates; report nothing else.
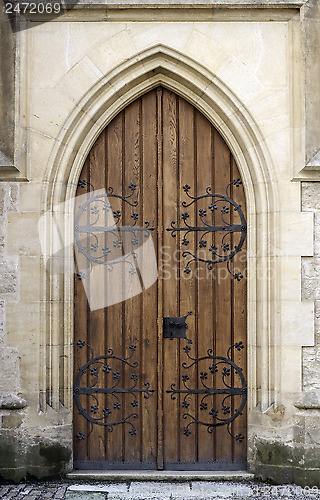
(142, 496)
(118, 488)
(206, 489)
(155, 490)
(85, 495)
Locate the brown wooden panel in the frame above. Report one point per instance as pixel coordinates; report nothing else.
(187, 282)
(114, 317)
(171, 408)
(80, 355)
(206, 283)
(132, 306)
(96, 331)
(150, 296)
(160, 305)
(239, 312)
(223, 316)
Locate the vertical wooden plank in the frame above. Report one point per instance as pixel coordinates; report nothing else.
(114, 139)
(170, 289)
(239, 297)
(132, 306)
(160, 234)
(80, 333)
(96, 289)
(150, 296)
(223, 316)
(206, 283)
(187, 282)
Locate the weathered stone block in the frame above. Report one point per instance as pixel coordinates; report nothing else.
(47, 459)
(9, 277)
(274, 474)
(310, 196)
(2, 322)
(12, 421)
(23, 236)
(310, 289)
(11, 452)
(20, 456)
(311, 368)
(9, 364)
(3, 196)
(281, 463)
(317, 234)
(13, 196)
(312, 457)
(298, 434)
(274, 453)
(307, 477)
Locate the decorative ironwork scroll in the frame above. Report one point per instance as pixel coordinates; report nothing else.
(221, 411)
(117, 243)
(98, 414)
(222, 206)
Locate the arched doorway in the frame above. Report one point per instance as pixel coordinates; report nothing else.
(165, 396)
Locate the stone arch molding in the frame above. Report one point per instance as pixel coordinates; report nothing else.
(109, 95)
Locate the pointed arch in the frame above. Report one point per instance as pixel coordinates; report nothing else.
(161, 65)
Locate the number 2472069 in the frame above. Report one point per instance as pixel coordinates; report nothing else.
(33, 8)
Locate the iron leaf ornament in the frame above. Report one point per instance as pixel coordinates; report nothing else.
(87, 388)
(220, 206)
(210, 368)
(98, 240)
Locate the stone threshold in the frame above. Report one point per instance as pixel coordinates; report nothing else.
(152, 475)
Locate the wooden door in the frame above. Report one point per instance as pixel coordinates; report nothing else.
(142, 398)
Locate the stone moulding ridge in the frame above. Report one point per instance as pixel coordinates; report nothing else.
(225, 4)
(309, 401)
(314, 163)
(10, 401)
(104, 11)
(5, 164)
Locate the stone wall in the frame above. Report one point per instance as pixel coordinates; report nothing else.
(290, 451)
(9, 290)
(311, 27)
(7, 82)
(311, 287)
(29, 440)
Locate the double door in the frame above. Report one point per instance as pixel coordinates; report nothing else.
(160, 294)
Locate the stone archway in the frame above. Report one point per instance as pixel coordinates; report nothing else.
(160, 65)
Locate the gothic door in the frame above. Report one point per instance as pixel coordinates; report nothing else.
(160, 294)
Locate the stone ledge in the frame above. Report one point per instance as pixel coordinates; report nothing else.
(235, 4)
(314, 163)
(161, 11)
(5, 164)
(162, 491)
(310, 401)
(153, 475)
(9, 401)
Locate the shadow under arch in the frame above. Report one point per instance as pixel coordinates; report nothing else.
(161, 65)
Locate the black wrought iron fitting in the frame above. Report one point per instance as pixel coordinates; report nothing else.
(219, 205)
(98, 414)
(219, 414)
(175, 327)
(117, 239)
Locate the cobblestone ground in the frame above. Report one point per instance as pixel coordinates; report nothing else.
(34, 490)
